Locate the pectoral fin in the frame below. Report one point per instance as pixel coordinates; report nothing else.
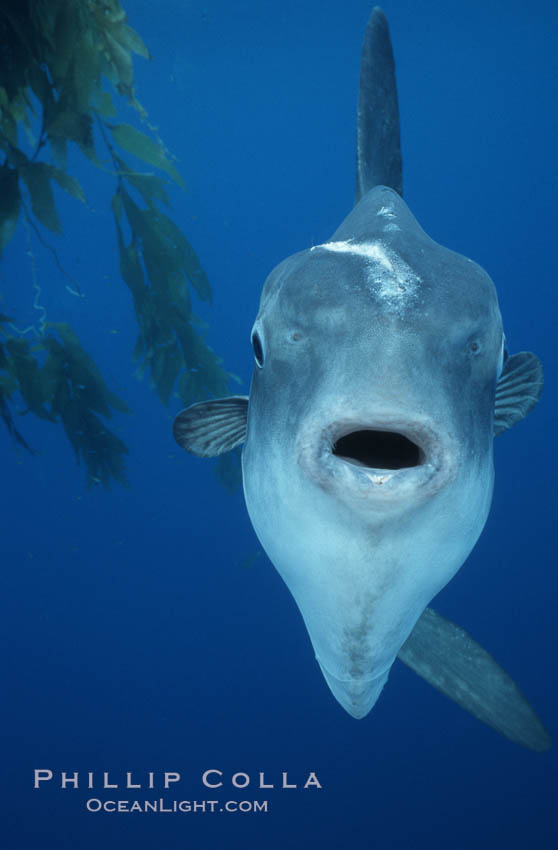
(518, 390)
(210, 428)
(450, 660)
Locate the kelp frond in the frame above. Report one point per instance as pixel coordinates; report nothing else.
(58, 381)
(65, 64)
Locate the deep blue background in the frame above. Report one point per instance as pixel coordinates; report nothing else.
(133, 637)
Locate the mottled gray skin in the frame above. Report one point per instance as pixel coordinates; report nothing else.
(380, 328)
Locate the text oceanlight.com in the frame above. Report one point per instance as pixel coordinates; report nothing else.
(176, 806)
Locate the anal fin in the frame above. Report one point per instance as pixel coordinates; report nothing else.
(450, 660)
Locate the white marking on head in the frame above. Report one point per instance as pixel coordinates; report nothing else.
(369, 250)
(345, 247)
(386, 211)
(389, 276)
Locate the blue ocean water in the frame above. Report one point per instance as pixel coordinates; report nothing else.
(137, 632)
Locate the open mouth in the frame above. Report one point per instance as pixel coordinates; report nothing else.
(378, 449)
(387, 458)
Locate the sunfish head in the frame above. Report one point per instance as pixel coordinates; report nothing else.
(367, 466)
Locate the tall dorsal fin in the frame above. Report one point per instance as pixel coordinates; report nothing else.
(378, 151)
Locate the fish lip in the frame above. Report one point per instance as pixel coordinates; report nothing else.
(437, 468)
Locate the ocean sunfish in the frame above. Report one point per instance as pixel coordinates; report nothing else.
(381, 377)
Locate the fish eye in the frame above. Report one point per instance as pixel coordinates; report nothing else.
(475, 347)
(258, 349)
